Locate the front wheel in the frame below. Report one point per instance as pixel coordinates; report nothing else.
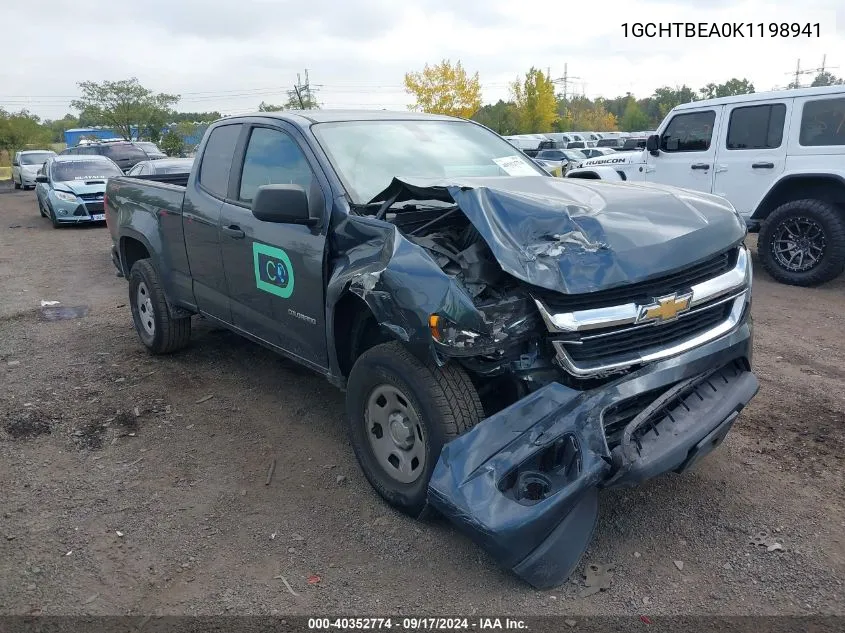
(802, 243)
(158, 330)
(16, 183)
(401, 413)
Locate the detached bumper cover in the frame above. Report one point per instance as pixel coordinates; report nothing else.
(524, 483)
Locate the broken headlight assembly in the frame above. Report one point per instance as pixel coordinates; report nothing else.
(454, 340)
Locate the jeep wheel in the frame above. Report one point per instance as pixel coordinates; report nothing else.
(802, 243)
(401, 413)
(158, 331)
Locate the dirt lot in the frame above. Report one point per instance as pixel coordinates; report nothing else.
(127, 490)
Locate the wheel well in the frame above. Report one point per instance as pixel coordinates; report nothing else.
(355, 331)
(132, 251)
(828, 188)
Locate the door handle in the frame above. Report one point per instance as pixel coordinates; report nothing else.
(234, 231)
(763, 166)
(700, 166)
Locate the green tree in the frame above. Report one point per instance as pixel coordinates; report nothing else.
(826, 78)
(269, 107)
(500, 117)
(190, 133)
(667, 98)
(581, 113)
(633, 119)
(535, 101)
(195, 117)
(22, 129)
(172, 143)
(445, 89)
(57, 127)
(123, 105)
(727, 89)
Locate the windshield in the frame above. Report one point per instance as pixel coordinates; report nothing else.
(575, 155)
(149, 147)
(64, 171)
(122, 151)
(551, 154)
(173, 168)
(35, 158)
(367, 155)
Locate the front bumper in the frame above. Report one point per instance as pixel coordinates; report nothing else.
(78, 212)
(524, 482)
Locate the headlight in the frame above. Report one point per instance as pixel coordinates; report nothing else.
(64, 195)
(447, 333)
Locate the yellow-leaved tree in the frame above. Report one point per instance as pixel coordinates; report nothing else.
(535, 102)
(445, 89)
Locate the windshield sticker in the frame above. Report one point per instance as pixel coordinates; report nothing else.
(273, 270)
(515, 166)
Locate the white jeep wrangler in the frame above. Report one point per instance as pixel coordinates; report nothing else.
(778, 157)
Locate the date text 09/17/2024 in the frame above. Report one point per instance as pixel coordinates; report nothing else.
(417, 624)
(721, 29)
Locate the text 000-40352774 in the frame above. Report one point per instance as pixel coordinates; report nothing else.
(721, 29)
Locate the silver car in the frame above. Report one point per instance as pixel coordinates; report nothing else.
(26, 164)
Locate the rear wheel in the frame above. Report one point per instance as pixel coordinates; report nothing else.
(802, 243)
(158, 330)
(401, 413)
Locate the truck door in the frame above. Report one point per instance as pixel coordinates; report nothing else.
(275, 271)
(751, 152)
(201, 221)
(687, 151)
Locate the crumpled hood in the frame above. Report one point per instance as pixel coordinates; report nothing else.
(82, 186)
(577, 236)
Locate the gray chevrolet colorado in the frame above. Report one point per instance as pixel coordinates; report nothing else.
(509, 342)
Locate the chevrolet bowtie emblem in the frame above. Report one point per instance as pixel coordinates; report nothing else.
(665, 308)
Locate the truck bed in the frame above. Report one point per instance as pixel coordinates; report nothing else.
(180, 180)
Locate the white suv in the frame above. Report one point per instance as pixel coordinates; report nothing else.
(778, 157)
(26, 164)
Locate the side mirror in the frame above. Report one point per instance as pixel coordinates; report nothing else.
(282, 204)
(40, 178)
(652, 144)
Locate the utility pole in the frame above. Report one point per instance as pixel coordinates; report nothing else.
(303, 92)
(810, 71)
(565, 80)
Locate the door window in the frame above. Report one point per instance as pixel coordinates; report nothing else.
(823, 122)
(689, 132)
(756, 127)
(273, 158)
(217, 159)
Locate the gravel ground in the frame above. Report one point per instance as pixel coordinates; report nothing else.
(136, 485)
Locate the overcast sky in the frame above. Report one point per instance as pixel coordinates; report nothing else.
(230, 55)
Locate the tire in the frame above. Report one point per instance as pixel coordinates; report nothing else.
(52, 216)
(158, 331)
(826, 225)
(442, 399)
(16, 183)
(40, 207)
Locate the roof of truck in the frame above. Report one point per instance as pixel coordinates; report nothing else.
(328, 116)
(759, 96)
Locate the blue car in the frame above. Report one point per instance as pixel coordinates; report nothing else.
(70, 189)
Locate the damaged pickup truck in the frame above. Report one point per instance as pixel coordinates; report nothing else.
(509, 342)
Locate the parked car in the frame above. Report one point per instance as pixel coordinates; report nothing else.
(564, 159)
(594, 152)
(508, 342)
(25, 165)
(150, 149)
(161, 166)
(633, 143)
(125, 154)
(778, 157)
(612, 142)
(70, 189)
